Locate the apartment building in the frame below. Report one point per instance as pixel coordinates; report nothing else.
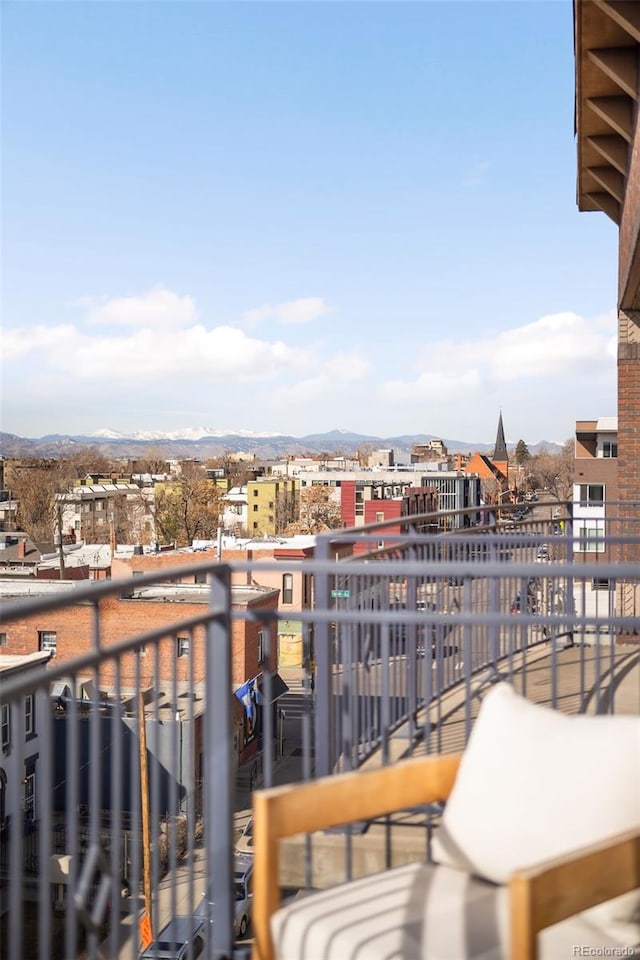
(595, 490)
(272, 503)
(453, 490)
(96, 512)
(20, 749)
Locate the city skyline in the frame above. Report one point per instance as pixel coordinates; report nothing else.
(290, 218)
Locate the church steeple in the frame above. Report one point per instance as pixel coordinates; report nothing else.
(500, 454)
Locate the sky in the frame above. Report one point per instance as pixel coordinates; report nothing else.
(294, 217)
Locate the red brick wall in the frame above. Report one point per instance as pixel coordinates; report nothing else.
(348, 503)
(629, 421)
(122, 619)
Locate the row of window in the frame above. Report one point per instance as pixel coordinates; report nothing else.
(48, 639)
(29, 721)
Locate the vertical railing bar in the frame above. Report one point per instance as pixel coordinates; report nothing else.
(135, 798)
(153, 760)
(219, 766)
(306, 776)
(45, 789)
(187, 758)
(95, 771)
(117, 833)
(16, 837)
(72, 800)
(172, 812)
(324, 695)
(267, 709)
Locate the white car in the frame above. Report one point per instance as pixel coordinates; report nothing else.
(244, 843)
(543, 554)
(243, 895)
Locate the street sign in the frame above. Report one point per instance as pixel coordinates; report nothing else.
(341, 593)
(144, 927)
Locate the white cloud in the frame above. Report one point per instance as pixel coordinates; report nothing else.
(294, 312)
(348, 366)
(221, 353)
(20, 342)
(158, 308)
(560, 345)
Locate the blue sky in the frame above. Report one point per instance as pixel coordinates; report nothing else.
(299, 216)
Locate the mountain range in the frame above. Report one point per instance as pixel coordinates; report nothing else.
(203, 443)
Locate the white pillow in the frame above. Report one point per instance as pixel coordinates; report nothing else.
(535, 784)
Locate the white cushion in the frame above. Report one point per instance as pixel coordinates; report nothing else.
(534, 784)
(416, 912)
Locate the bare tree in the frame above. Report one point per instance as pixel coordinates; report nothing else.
(188, 508)
(555, 471)
(318, 509)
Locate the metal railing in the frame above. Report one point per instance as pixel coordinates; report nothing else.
(131, 758)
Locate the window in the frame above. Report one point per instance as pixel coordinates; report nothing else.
(379, 516)
(200, 578)
(270, 504)
(287, 588)
(591, 539)
(591, 494)
(255, 493)
(30, 792)
(3, 639)
(29, 717)
(600, 583)
(610, 449)
(48, 640)
(6, 726)
(306, 590)
(255, 508)
(182, 646)
(260, 646)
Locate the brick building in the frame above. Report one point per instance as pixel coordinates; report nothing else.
(68, 632)
(607, 45)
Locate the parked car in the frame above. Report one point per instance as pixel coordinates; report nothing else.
(543, 554)
(244, 843)
(243, 895)
(182, 938)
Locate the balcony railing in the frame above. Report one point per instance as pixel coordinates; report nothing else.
(120, 806)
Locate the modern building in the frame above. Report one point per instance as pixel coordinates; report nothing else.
(272, 503)
(595, 491)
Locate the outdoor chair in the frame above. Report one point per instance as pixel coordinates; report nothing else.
(537, 853)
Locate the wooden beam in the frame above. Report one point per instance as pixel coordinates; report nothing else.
(614, 149)
(621, 65)
(610, 179)
(557, 889)
(616, 111)
(605, 202)
(626, 13)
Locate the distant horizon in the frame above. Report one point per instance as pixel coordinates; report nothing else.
(196, 434)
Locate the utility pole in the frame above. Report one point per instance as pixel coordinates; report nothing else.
(146, 924)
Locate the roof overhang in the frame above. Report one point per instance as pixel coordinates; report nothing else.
(607, 43)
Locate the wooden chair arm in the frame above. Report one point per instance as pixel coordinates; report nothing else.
(556, 889)
(328, 802)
